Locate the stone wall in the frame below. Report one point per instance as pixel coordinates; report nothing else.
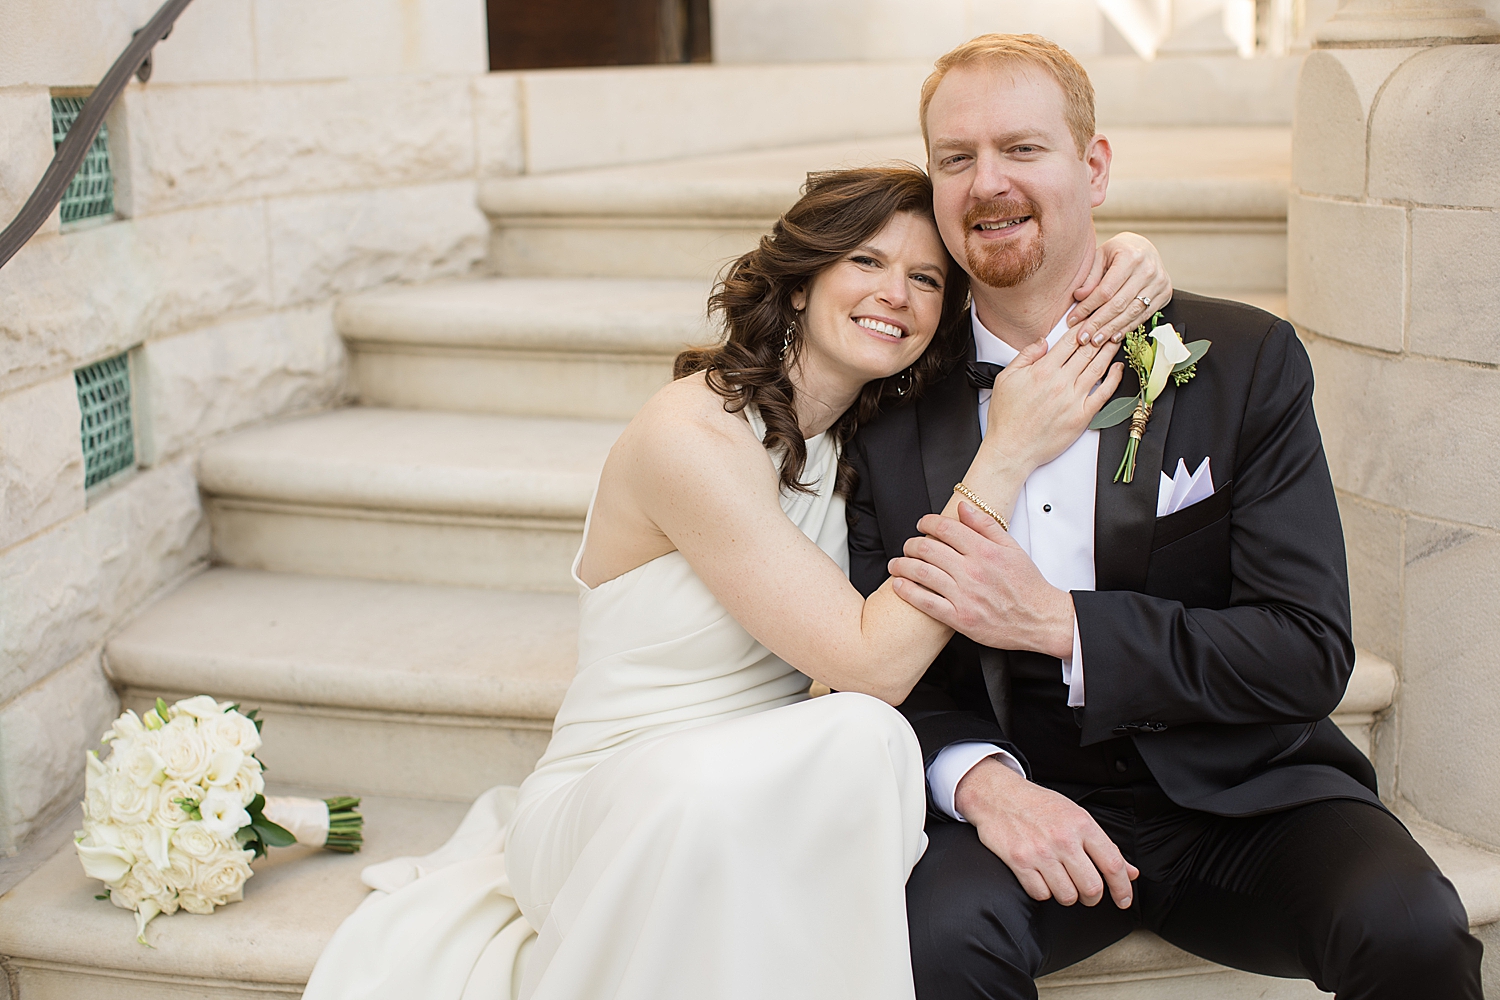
(1394, 282)
(281, 154)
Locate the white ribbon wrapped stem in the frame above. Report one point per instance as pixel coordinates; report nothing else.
(305, 819)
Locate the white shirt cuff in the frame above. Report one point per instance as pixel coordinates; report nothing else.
(1072, 670)
(952, 763)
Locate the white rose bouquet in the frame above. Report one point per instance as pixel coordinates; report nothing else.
(174, 815)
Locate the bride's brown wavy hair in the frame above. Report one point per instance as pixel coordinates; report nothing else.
(838, 212)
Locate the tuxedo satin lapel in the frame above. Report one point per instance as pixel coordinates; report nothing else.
(1125, 513)
(994, 664)
(948, 429)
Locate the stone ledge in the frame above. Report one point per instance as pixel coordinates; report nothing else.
(293, 903)
(426, 462)
(600, 315)
(1159, 173)
(51, 922)
(356, 644)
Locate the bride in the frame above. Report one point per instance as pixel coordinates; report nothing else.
(699, 827)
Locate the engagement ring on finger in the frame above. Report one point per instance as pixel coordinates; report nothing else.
(1144, 300)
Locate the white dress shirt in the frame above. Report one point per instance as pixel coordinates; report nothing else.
(1053, 523)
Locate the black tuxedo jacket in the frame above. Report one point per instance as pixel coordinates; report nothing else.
(1218, 639)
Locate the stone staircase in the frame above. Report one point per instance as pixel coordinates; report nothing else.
(391, 581)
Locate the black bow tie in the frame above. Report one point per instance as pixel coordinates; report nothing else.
(982, 374)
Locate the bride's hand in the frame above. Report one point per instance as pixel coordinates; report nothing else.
(1126, 270)
(1045, 399)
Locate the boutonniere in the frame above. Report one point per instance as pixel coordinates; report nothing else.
(1155, 355)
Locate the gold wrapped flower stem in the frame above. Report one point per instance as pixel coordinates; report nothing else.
(1137, 431)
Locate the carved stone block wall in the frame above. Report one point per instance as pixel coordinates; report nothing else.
(1394, 263)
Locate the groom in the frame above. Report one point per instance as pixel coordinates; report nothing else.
(1164, 655)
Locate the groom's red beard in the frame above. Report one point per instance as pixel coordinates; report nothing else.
(1007, 264)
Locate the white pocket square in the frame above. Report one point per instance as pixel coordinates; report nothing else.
(1183, 490)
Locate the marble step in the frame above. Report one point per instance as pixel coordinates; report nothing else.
(565, 347)
(371, 687)
(1213, 198)
(419, 496)
(58, 943)
(404, 689)
(559, 347)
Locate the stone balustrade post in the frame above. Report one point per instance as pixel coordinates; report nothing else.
(1394, 284)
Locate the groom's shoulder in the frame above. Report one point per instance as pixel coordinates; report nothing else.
(1243, 336)
(1223, 316)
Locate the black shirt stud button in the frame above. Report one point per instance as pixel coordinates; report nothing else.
(1121, 766)
(1046, 508)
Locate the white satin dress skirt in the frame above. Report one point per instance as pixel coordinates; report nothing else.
(698, 829)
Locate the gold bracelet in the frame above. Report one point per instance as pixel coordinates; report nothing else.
(973, 498)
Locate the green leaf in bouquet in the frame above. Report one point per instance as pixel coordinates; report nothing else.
(1114, 412)
(269, 834)
(1195, 350)
(190, 806)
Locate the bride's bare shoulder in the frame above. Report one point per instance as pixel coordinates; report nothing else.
(687, 414)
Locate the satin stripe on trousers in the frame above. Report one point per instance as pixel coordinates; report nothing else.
(1336, 892)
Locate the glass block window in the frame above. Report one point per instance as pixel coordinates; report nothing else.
(108, 437)
(92, 193)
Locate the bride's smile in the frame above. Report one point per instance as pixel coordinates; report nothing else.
(869, 316)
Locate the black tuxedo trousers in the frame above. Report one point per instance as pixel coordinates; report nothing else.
(1215, 645)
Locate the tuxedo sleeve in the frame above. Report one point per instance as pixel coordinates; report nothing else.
(936, 716)
(1280, 652)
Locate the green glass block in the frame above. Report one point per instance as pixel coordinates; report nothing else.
(92, 193)
(108, 437)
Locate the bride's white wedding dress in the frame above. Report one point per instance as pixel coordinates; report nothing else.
(698, 827)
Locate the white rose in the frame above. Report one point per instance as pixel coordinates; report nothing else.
(248, 783)
(184, 751)
(127, 895)
(224, 876)
(182, 870)
(231, 731)
(223, 813)
(151, 880)
(104, 854)
(201, 707)
(139, 763)
(125, 727)
(193, 902)
(169, 813)
(196, 841)
(130, 803)
(95, 789)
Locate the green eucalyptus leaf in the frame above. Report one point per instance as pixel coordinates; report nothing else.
(272, 834)
(1114, 412)
(1196, 350)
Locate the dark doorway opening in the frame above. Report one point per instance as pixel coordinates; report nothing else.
(528, 34)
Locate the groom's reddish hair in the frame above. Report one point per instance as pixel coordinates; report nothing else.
(1024, 50)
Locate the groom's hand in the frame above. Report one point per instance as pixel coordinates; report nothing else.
(1052, 844)
(971, 575)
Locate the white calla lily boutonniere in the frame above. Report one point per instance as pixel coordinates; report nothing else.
(1156, 355)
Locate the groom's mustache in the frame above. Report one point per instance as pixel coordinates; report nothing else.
(998, 211)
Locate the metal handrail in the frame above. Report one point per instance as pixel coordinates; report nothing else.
(75, 147)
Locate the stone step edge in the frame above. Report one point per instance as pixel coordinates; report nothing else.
(1139, 957)
(269, 707)
(576, 200)
(623, 319)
